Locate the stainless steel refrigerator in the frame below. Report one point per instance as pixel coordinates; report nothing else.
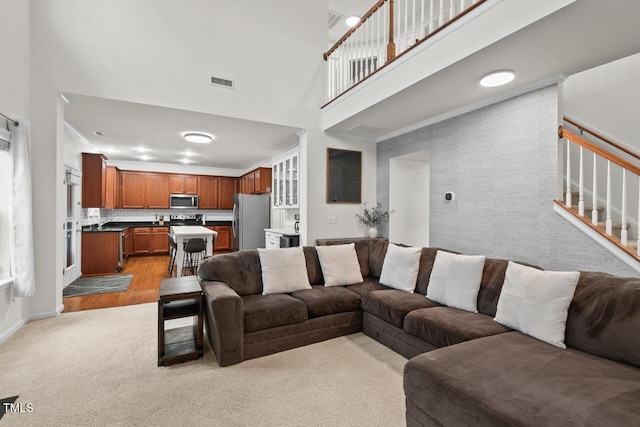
(250, 217)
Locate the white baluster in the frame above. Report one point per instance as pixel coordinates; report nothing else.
(422, 30)
(431, 17)
(452, 9)
(405, 39)
(441, 20)
(567, 200)
(594, 211)
(463, 5)
(413, 23)
(366, 48)
(609, 221)
(623, 232)
(581, 185)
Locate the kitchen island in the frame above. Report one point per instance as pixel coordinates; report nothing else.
(182, 233)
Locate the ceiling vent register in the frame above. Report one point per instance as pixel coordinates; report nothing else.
(334, 18)
(219, 81)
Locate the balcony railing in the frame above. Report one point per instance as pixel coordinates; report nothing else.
(389, 29)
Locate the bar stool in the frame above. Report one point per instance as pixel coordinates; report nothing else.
(194, 252)
(173, 250)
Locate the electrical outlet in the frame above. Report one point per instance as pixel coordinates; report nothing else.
(333, 219)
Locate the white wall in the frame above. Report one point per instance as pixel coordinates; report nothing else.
(316, 211)
(14, 102)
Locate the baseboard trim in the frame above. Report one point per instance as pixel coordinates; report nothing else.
(22, 322)
(13, 329)
(46, 315)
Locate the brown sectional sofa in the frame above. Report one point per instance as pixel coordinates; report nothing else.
(465, 368)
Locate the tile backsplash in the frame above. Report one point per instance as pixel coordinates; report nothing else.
(135, 215)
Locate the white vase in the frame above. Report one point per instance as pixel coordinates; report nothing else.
(373, 232)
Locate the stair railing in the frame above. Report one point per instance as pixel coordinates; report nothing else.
(389, 29)
(599, 154)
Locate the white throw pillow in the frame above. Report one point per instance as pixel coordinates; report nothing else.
(536, 302)
(283, 270)
(455, 280)
(339, 264)
(400, 268)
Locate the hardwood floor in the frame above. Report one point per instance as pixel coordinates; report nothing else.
(147, 272)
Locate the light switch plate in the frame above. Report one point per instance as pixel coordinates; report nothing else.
(333, 219)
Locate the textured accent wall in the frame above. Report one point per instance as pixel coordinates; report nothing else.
(501, 162)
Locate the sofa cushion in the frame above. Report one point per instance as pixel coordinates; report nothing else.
(400, 268)
(443, 326)
(314, 270)
(283, 270)
(393, 305)
(240, 270)
(427, 258)
(512, 379)
(268, 311)
(604, 317)
(455, 280)
(377, 252)
(322, 300)
(536, 302)
(362, 251)
(369, 284)
(339, 265)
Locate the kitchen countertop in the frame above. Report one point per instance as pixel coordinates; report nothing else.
(283, 231)
(117, 227)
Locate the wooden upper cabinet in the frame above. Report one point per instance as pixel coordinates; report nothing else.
(157, 191)
(94, 180)
(208, 194)
(133, 189)
(184, 184)
(113, 188)
(228, 187)
(262, 180)
(257, 181)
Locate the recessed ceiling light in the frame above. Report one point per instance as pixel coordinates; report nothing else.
(198, 137)
(145, 157)
(352, 21)
(110, 150)
(189, 153)
(185, 161)
(497, 78)
(142, 149)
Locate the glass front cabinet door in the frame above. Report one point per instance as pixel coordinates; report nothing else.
(285, 182)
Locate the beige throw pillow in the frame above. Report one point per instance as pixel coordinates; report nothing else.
(339, 264)
(455, 280)
(400, 268)
(536, 302)
(283, 270)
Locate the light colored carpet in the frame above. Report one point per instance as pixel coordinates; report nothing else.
(99, 367)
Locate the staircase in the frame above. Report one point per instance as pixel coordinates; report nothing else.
(601, 190)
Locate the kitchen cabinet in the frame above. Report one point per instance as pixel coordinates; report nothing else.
(160, 240)
(157, 191)
(113, 188)
(184, 184)
(133, 189)
(142, 240)
(223, 240)
(99, 252)
(150, 240)
(144, 190)
(286, 188)
(227, 188)
(208, 194)
(94, 180)
(257, 181)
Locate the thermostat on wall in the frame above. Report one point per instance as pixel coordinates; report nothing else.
(449, 196)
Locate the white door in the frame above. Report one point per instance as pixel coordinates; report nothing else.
(72, 228)
(409, 197)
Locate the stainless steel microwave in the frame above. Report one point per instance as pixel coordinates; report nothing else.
(183, 201)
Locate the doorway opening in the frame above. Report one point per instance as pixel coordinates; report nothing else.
(409, 197)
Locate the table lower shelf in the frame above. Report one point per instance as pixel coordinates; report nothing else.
(180, 345)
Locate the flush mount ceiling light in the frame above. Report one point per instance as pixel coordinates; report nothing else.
(352, 21)
(497, 78)
(198, 137)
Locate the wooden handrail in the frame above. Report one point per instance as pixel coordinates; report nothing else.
(366, 16)
(563, 133)
(600, 137)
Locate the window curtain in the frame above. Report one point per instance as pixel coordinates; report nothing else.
(22, 265)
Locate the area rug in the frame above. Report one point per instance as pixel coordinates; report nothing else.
(98, 285)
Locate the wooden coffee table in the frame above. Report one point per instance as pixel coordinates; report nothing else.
(180, 297)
